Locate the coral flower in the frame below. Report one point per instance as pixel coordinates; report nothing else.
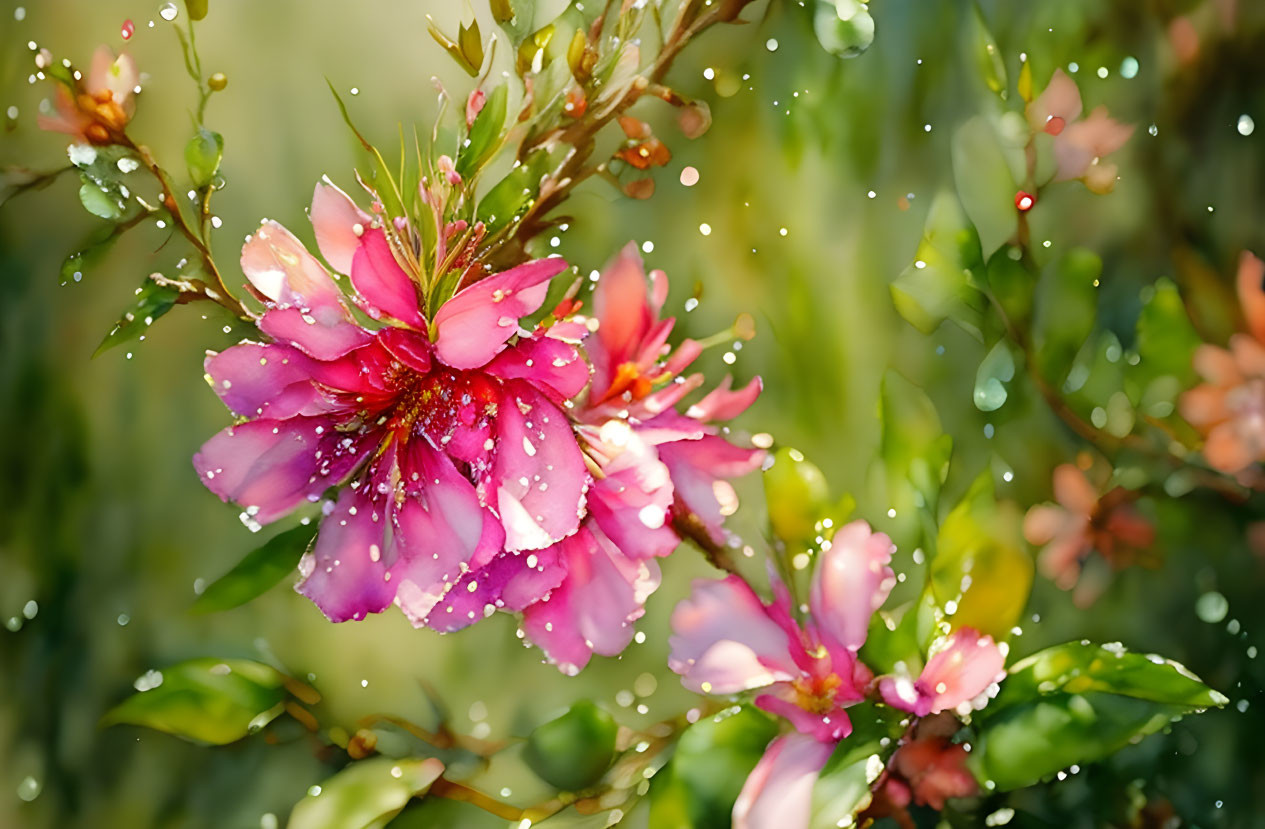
(1083, 522)
(1230, 408)
(651, 464)
(928, 769)
(448, 444)
(1079, 145)
(727, 641)
(99, 110)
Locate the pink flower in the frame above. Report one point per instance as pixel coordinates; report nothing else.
(726, 641)
(453, 459)
(1230, 408)
(1079, 145)
(1083, 522)
(651, 464)
(99, 110)
(926, 769)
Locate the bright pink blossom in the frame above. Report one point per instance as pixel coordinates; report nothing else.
(454, 460)
(1079, 145)
(726, 641)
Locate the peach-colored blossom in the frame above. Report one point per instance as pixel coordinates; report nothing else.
(1079, 145)
(102, 105)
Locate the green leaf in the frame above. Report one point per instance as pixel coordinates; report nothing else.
(388, 194)
(914, 447)
(152, 301)
(484, 133)
(197, 8)
(1011, 285)
(573, 751)
(1166, 338)
(454, 48)
(202, 155)
(985, 182)
(208, 700)
(939, 284)
(995, 371)
(893, 639)
(844, 28)
(797, 494)
(843, 787)
(502, 10)
(91, 251)
(1066, 304)
(365, 794)
(981, 572)
(512, 194)
(697, 789)
(262, 568)
(98, 202)
(988, 60)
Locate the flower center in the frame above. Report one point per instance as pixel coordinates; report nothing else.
(439, 403)
(817, 694)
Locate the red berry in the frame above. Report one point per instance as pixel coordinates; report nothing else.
(1024, 201)
(128, 29)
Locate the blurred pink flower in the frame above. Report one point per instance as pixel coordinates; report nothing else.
(651, 463)
(726, 641)
(99, 110)
(1230, 408)
(1079, 145)
(1081, 523)
(927, 769)
(450, 444)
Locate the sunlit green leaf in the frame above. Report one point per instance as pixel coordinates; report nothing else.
(914, 447)
(98, 202)
(985, 182)
(988, 60)
(208, 700)
(939, 284)
(197, 8)
(262, 568)
(365, 794)
(797, 494)
(484, 133)
(1166, 337)
(573, 751)
(152, 301)
(843, 787)
(697, 789)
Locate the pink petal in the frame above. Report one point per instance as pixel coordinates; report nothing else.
(409, 347)
(830, 727)
(960, 672)
(723, 404)
(379, 279)
(256, 380)
(511, 581)
(1251, 287)
(281, 269)
(1073, 490)
(271, 466)
(1249, 354)
(545, 362)
(631, 503)
(334, 218)
(1226, 449)
(1099, 134)
(592, 611)
(623, 314)
(345, 573)
(778, 793)
(724, 641)
(1204, 405)
(118, 76)
(1061, 99)
(441, 529)
(852, 581)
(1043, 522)
(474, 325)
(325, 335)
(537, 470)
(699, 471)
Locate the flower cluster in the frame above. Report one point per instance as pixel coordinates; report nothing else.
(461, 465)
(1080, 144)
(727, 641)
(94, 109)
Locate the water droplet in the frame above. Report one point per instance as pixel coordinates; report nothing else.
(168, 11)
(647, 246)
(30, 609)
(1246, 125)
(1212, 607)
(19, 14)
(705, 229)
(689, 175)
(771, 44)
(29, 789)
(1129, 68)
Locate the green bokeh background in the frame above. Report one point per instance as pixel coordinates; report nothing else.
(105, 527)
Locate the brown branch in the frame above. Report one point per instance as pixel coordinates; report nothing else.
(691, 528)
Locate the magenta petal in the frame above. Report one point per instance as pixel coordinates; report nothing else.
(623, 313)
(256, 380)
(325, 335)
(778, 793)
(280, 268)
(631, 503)
(409, 347)
(270, 466)
(511, 581)
(334, 218)
(961, 671)
(723, 640)
(852, 581)
(830, 727)
(723, 404)
(592, 611)
(380, 280)
(538, 470)
(699, 472)
(545, 362)
(441, 530)
(345, 573)
(472, 327)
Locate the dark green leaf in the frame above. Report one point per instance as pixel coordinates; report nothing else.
(573, 751)
(90, 253)
(202, 155)
(1065, 308)
(484, 133)
(843, 787)
(988, 62)
(1166, 338)
(697, 789)
(939, 284)
(511, 194)
(262, 568)
(209, 700)
(366, 794)
(152, 301)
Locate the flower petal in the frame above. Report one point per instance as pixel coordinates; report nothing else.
(1073, 490)
(326, 336)
(549, 363)
(257, 380)
(382, 283)
(1061, 99)
(334, 218)
(959, 672)
(723, 404)
(778, 793)
(345, 574)
(723, 640)
(280, 268)
(1251, 287)
(511, 581)
(472, 327)
(700, 469)
(623, 313)
(852, 581)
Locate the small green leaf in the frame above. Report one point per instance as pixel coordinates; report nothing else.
(995, 371)
(797, 494)
(512, 194)
(985, 182)
(843, 787)
(893, 639)
(697, 789)
(471, 43)
(988, 61)
(939, 284)
(365, 794)
(152, 301)
(98, 202)
(914, 447)
(208, 700)
(573, 751)
(202, 155)
(452, 47)
(484, 133)
(844, 28)
(262, 568)
(197, 8)
(502, 10)
(91, 251)
(1166, 338)
(1066, 304)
